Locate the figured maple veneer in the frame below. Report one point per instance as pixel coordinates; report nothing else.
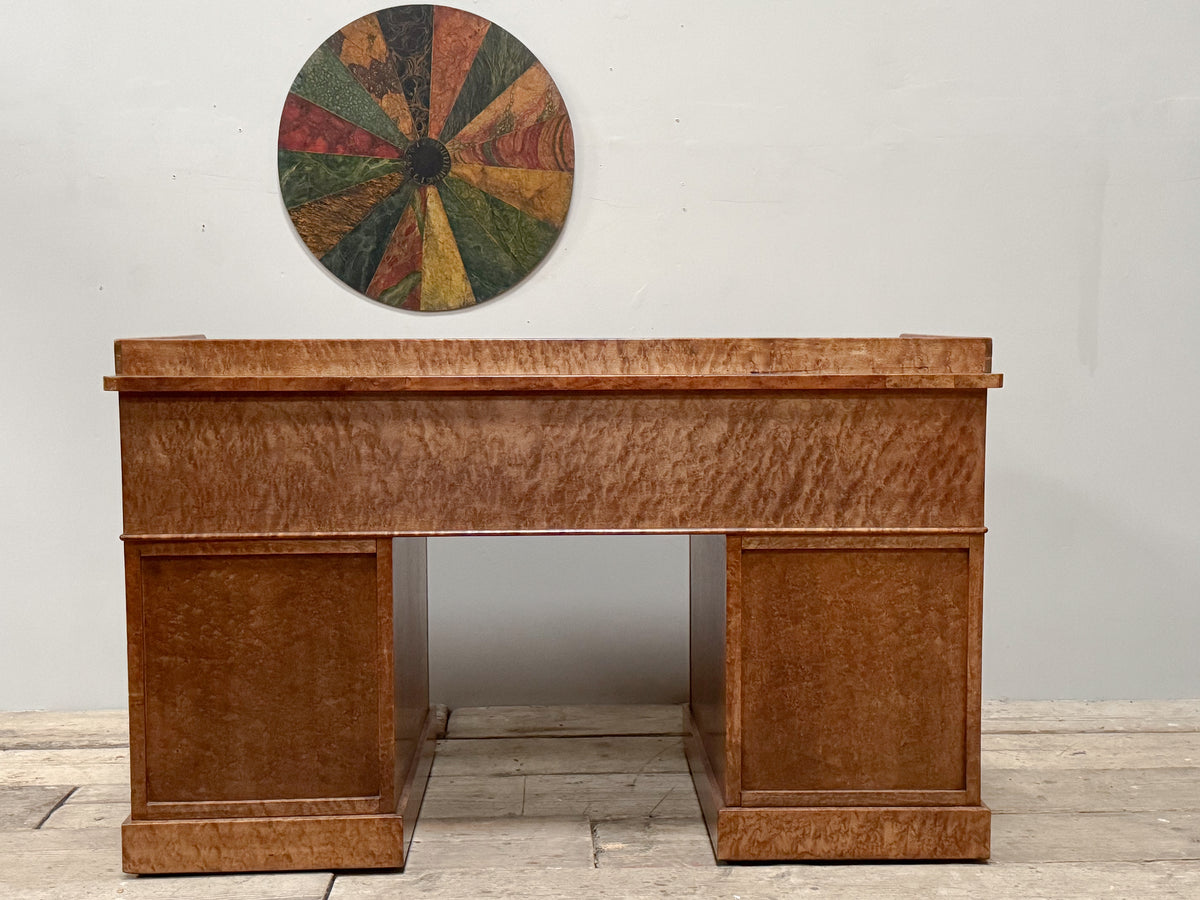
(454, 463)
(264, 687)
(262, 845)
(856, 682)
(864, 833)
(226, 641)
(850, 684)
(833, 490)
(198, 357)
(707, 645)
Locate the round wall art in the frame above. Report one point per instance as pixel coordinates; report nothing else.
(426, 157)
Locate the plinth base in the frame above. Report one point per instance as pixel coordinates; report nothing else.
(746, 834)
(268, 844)
(783, 833)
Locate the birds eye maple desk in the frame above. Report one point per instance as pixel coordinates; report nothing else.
(278, 494)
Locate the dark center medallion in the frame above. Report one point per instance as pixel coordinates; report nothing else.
(427, 161)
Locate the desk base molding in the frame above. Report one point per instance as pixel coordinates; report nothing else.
(780, 834)
(269, 844)
(765, 834)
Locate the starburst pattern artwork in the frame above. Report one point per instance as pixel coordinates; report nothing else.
(426, 158)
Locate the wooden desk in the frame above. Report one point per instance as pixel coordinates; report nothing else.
(277, 497)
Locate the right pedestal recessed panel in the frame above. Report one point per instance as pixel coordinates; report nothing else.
(856, 672)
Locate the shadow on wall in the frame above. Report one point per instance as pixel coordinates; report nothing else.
(550, 620)
(1080, 603)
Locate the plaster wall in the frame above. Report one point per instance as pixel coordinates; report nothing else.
(1024, 170)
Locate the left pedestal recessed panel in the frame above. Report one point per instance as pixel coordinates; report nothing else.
(261, 679)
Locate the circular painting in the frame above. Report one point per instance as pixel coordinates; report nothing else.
(426, 157)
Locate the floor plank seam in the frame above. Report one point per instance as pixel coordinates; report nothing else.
(1147, 861)
(1043, 732)
(55, 747)
(56, 807)
(329, 886)
(1158, 810)
(538, 736)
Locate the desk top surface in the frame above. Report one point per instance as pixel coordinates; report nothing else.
(197, 364)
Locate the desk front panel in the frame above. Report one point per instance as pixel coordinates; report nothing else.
(372, 464)
(261, 678)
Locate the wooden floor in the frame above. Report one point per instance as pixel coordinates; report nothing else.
(1092, 799)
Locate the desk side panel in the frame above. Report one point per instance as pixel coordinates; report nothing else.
(707, 647)
(424, 464)
(411, 640)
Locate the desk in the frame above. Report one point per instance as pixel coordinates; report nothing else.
(277, 498)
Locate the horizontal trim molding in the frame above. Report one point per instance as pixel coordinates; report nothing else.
(747, 533)
(400, 384)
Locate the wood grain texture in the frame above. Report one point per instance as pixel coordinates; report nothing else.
(702, 356)
(855, 676)
(710, 792)
(383, 464)
(643, 843)
(551, 756)
(64, 767)
(263, 676)
(1085, 716)
(1082, 881)
(406, 587)
(564, 721)
(26, 806)
(735, 639)
(707, 563)
(417, 772)
(55, 729)
(314, 384)
(481, 844)
(262, 844)
(830, 833)
(1092, 790)
(836, 588)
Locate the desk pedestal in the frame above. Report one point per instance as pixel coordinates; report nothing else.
(285, 719)
(835, 695)
(279, 714)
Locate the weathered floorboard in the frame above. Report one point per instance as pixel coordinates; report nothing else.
(76, 863)
(560, 756)
(1090, 716)
(1091, 790)
(644, 843)
(1096, 837)
(1090, 800)
(25, 806)
(601, 797)
(56, 730)
(500, 843)
(473, 796)
(74, 814)
(73, 767)
(1178, 881)
(1091, 751)
(101, 793)
(564, 721)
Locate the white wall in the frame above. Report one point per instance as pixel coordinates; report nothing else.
(1025, 170)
